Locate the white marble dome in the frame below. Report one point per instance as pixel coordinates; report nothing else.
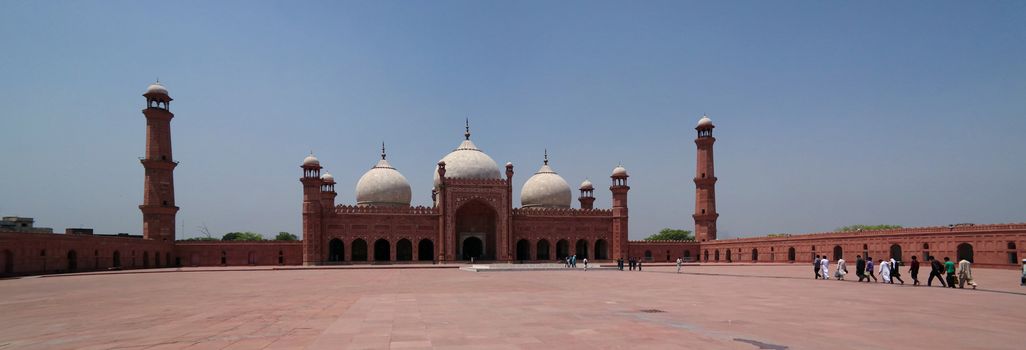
(327, 178)
(310, 160)
(619, 171)
(468, 162)
(545, 189)
(586, 185)
(382, 185)
(704, 122)
(156, 88)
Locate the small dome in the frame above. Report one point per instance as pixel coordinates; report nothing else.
(468, 162)
(310, 160)
(586, 185)
(546, 189)
(704, 122)
(619, 171)
(327, 177)
(382, 185)
(156, 88)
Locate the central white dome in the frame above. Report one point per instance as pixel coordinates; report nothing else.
(546, 189)
(383, 186)
(468, 162)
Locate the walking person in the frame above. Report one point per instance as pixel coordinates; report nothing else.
(824, 267)
(631, 262)
(869, 269)
(585, 264)
(949, 267)
(895, 275)
(885, 271)
(842, 269)
(965, 274)
(573, 261)
(860, 268)
(935, 271)
(679, 263)
(619, 263)
(914, 271)
(815, 266)
(639, 264)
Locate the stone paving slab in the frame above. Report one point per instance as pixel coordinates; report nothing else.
(707, 307)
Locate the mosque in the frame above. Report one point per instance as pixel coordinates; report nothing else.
(472, 218)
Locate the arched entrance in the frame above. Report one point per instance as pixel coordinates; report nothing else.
(838, 253)
(335, 250)
(581, 249)
(601, 250)
(473, 248)
(404, 250)
(790, 254)
(965, 251)
(717, 255)
(706, 255)
(896, 252)
(755, 254)
(359, 252)
(116, 259)
(648, 255)
(8, 260)
(426, 250)
(562, 249)
(523, 250)
(146, 259)
(382, 250)
(728, 256)
(687, 255)
(542, 250)
(72, 260)
(476, 219)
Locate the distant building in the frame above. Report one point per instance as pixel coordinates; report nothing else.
(21, 224)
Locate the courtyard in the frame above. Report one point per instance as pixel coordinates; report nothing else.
(713, 306)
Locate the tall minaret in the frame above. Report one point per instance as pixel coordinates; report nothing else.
(619, 189)
(313, 192)
(158, 206)
(705, 183)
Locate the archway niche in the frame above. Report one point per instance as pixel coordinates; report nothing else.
(404, 250)
(755, 254)
(426, 250)
(790, 254)
(601, 250)
(476, 219)
(838, 253)
(72, 260)
(581, 249)
(382, 250)
(896, 252)
(359, 250)
(562, 249)
(336, 250)
(965, 251)
(542, 250)
(523, 250)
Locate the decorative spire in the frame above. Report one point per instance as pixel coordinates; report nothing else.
(382, 150)
(467, 133)
(546, 156)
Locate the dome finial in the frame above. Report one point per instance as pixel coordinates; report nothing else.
(546, 156)
(466, 134)
(382, 149)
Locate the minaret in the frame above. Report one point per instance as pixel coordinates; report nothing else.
(587, 197)
(705, 183)
(311, 210)
(158, 206)
(619, 189)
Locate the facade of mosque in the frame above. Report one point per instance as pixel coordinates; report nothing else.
(472, 217)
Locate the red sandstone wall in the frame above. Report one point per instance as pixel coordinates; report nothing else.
(574, 230)
(371, 227)
(990, 245)
(663, 251)
(42, 253)
(241, 253)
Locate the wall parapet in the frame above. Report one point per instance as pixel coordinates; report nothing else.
(996, 228)
(528, 212)
(466, 181)
(356, 209)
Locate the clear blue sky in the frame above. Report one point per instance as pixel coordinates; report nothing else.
(827, 113)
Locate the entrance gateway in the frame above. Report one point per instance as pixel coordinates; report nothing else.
(472, 245)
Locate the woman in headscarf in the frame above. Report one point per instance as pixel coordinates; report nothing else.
(965, 274)
(885, 271)
(842, 269)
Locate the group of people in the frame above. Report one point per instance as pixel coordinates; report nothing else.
(571, 262)
(633, 262)
(889, 271)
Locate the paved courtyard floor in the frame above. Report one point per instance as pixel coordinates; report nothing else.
(707, 307)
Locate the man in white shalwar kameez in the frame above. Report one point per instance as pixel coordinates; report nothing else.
(842, 269)
(965, 274)
(824, 268)
(885, 271)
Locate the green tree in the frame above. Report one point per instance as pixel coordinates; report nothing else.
(669, 234)
(853, 228)
(285, 236)
(242, 236)
(201, 239)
